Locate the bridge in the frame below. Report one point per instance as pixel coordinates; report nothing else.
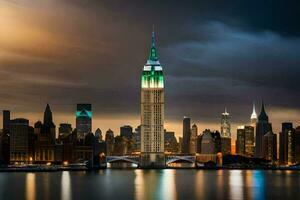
(169, 159)
(180, 158)
(128, 159)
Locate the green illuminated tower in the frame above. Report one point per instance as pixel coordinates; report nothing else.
(83, 120)
(152, 112)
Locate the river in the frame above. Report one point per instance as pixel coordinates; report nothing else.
(151, 184)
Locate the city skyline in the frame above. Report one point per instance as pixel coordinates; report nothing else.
(84, 62)
(106, 123)
(134, 99)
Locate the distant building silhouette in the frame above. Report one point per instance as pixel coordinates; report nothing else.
(20, 132)
(64, 130)
(83, 120)
(297, 144)
(136, 139)
(210, 142)
(287, 144)
(120, 146)
(226, 145)
(98, 135)
(110, 142)
(245, 141)
(4, 138)
(171, 144)
(225, 124)
(240, 141)
(270, 146)
(262, 127)
(193, 139)
(45, 148)
(126, 131)
(186, 135)
(6, 121)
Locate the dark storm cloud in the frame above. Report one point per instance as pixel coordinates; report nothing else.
(215, 54)
(233, 67)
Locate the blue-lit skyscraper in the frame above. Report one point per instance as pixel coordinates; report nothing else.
(83, 120)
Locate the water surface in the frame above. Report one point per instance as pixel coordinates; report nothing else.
(151, 184)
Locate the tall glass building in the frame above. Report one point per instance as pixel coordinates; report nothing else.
(152, 111)
(83, 120)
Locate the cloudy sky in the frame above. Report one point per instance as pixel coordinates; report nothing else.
(225, 53)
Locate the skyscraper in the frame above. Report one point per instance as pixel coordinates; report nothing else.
(225, 133)
(110, 142)
(152, 111)
(240, 140)
(186, 132)
(225, 124)
(262, 127)
(6, 121)
(245, 141)
(19, 140)
(297, 144)
(253, 121)
(249, 141)
(4, 138)
(287, 144)
(83, 120)
(270, 146)
(45, 148)
(193, 139)
(253, 116)
(126, 131)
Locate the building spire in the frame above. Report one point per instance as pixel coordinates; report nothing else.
(225, 111)
(153, 36)
(153, 52)
(48, 115)
(253, 115)
(263, 115)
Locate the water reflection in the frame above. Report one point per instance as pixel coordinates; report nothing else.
(236, 184)
(139, 185)
(167, 186)
(154, 184)
(200, 186)
(220, 182)
(248, 183)
(30, 186)
(258, 184)
(46, 185)
(66, 186)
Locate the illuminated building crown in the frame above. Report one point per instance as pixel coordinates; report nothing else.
(152, 76)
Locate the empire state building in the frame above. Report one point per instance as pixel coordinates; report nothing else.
(152, 111)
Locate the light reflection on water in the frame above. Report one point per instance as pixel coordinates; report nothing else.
(167, 186)
(30, 186)
(152, 184)
(139, 185)
(200, 185)
(66, 193)
(236, 184)
(258, 187)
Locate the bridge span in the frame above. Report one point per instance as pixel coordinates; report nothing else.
(136, 159)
